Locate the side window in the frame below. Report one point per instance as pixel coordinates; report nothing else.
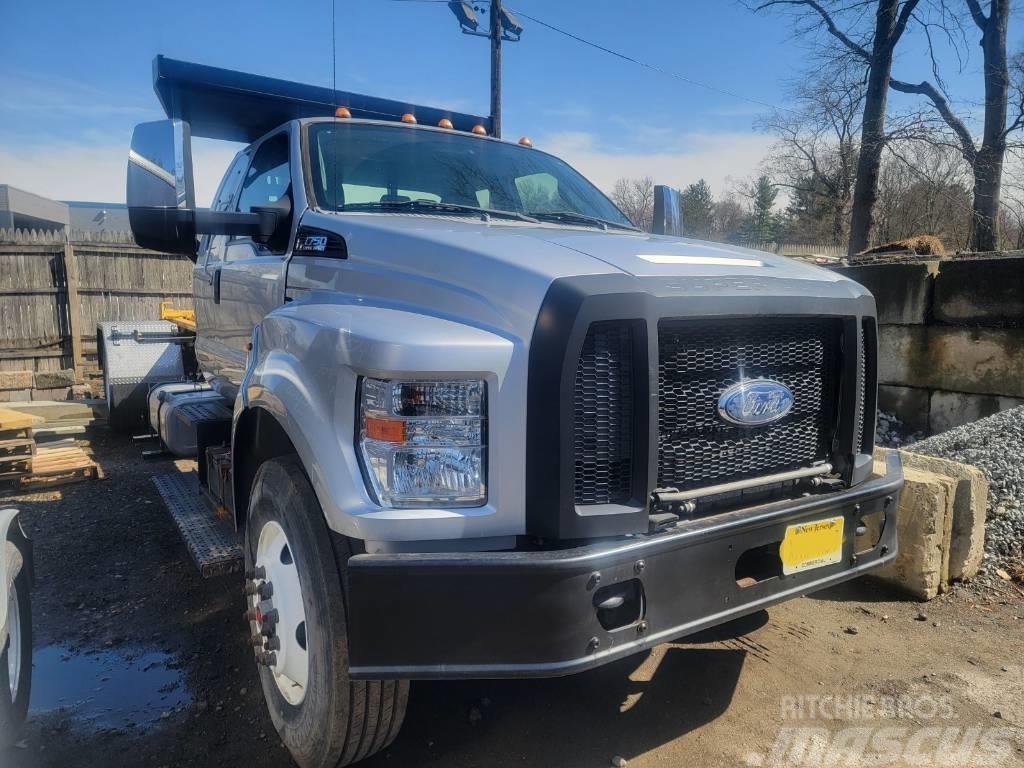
(269, 175)
(213, 245)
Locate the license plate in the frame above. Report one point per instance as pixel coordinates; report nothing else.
(812, 545)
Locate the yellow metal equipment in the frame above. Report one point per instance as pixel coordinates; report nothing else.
(183, 318)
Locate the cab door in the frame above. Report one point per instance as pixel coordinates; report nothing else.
(210, 349)
(251, 279)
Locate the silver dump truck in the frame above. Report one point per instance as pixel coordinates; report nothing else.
(468, 422)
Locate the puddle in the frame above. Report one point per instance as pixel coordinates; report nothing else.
(116, 689)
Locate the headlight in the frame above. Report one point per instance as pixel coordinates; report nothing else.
(423, 443)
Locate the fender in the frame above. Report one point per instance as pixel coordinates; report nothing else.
(304, 368)
(11, 562)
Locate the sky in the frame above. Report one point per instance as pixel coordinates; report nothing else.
(75, 80)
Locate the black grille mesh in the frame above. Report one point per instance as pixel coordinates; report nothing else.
(603, 415)
(697, 360)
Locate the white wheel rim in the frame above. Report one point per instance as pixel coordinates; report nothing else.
(14, 646)
(277, 558)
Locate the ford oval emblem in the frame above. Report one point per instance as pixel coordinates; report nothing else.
(755, 402)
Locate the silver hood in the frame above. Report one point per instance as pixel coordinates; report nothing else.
(496, 274)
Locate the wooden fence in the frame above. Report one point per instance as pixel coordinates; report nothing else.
(55, 288)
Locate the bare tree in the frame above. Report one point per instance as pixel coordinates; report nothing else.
(874, 45)
(635, 198)
(924, 188)
(815, 155)
(986, 160)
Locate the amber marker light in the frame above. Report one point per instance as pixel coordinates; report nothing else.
(525, 141)
(409, 117)
(479, 130)
(342, 112)
(444, 122)
(385, 430)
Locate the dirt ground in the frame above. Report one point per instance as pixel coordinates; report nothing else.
(140, 662)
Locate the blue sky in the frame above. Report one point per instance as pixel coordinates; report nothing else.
(71, 90)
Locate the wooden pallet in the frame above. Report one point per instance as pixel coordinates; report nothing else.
(50, 467)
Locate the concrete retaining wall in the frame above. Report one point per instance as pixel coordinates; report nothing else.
(951, 337)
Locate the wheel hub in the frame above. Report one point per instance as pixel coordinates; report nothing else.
(277, 614)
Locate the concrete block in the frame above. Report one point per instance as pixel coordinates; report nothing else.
(951, 409)
(984, 361)
(924, 521)
(15, 379)
(909, 404)
(902, 291)
(970, 500)
(986, 291)
(56, 393)
(54, 379)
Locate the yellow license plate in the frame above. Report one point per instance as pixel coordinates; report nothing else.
(812, 545)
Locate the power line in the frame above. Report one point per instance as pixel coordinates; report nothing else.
(632, 60)
(647, 65)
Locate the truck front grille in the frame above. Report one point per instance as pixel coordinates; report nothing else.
(698, 359)
(603, 423)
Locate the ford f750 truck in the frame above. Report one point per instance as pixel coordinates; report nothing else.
(468, 421)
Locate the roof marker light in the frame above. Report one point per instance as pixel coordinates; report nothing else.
(479, 130)
(444, 122)
(409, 117)
(342, 112)
(525, 141)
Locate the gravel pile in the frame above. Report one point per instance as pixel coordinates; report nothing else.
(891, 433)
(995, 445)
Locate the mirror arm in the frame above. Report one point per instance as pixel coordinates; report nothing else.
(259, 225)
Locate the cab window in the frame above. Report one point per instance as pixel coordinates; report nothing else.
(269, 175)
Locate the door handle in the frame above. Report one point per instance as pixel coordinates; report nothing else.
(215, 279)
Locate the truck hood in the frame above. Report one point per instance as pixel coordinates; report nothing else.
(501, 270)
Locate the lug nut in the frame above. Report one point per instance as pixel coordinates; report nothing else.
(259, 573)
(256, 642)
(274, 644)
(251, 588)
(265, 590)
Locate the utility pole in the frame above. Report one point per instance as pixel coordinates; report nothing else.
(501, 25)
(496, 68)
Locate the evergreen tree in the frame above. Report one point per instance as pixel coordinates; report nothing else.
(698, 210)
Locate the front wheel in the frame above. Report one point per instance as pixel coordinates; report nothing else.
(16, 658)
(294, 583)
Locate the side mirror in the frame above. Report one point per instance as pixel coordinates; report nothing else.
(161, 195)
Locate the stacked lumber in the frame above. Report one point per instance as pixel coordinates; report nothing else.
(61, 418)
(29, 466)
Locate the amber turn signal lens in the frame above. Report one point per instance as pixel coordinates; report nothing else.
(525, 141)
(342, 112)
(444, 122)
(408, 117)
(385, 430)
(479, 130)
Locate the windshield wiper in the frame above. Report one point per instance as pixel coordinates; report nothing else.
(572, 217)
(439, 207)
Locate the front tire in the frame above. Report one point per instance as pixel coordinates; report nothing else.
(324, 718)
(16, 659)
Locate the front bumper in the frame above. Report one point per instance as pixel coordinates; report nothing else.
(533, 614)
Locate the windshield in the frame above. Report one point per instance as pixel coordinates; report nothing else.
(365, 166)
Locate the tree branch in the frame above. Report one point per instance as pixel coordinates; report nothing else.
(901, 23)
(977, 14)
(957, 125)
(830, 24)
